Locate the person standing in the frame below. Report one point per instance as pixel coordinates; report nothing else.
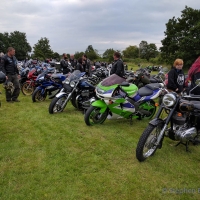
(118, 66)
(193, 75)
(64, 64)
(79, 66)
(176, 77)
(86, 64)
(9, 67)
(73, 61)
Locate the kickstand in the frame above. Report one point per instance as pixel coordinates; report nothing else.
(186, 145)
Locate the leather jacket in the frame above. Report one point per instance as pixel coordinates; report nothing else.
(118, 68)
(9, 65)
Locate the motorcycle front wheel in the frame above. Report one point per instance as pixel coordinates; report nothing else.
(27, 89)
(146, 145)
(38, 96)
(57, 105)
(93, 116)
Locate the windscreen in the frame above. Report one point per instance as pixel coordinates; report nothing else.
(112, 80)
(75, 75)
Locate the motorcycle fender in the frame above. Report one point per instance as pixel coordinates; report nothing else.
(60, 94)
(156, 122)
(100, 104)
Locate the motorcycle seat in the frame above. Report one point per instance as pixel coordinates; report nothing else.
(154, 86)
(145, 91)
(152, 80)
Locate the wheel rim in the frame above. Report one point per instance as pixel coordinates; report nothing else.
(150, 146)
(39, 96)
(27, 89)
(152, 112)
(58, 105)
(96, 117)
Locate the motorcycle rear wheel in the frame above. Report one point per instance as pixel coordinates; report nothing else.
(93, 116)
(27, 89)
(146, 145)
(56, 105)
(38, 96)
(152, 110)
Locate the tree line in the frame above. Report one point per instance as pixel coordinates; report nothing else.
(182, 40)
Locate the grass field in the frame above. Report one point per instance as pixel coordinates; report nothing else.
(58, 157)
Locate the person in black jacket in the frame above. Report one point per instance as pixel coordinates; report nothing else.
(9, 67)
(79, 66)
(86, 65)
(64, 64)
(73, 61)
(118, 66)
(176, 77)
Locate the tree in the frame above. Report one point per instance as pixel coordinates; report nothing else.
(78, 55)
(4, 42)
(147, 51)
(108, 54)
(18, 41)
(42, 49)
(91, 53)
(182, 37)
(131, 52)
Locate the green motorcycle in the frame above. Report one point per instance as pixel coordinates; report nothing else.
(119, 99)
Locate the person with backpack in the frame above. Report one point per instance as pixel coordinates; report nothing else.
(176, 78)
(193, 75)
(118, 66)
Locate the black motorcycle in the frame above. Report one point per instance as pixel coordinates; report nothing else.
(76, 89)
(177, 118)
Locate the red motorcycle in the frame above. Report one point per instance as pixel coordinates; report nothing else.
(29, 86)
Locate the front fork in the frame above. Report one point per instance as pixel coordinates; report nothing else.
(156, 121)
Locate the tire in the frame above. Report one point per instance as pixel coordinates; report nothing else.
(151, 110)
(55, 105)
(147, 141)
(93, 116)
(27, 89)
(73, 100)
(38, 96)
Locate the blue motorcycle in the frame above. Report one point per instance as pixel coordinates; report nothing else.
(47, 84)
(77, 89)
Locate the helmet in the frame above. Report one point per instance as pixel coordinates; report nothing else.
(2, 77)
(8, 85)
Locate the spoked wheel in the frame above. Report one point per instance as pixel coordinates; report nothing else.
(27, 89)
(150, 107)
(146, 146)
(57, 105)
(38, 96)
(94, 116)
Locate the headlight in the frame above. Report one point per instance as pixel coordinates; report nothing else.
(169, 100)
(100, 91)
(72, 84)
(66, 81)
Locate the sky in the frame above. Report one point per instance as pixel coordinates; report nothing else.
(72, 25)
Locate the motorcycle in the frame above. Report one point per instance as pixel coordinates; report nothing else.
(47, 84)
(76, 89)
(28, 86)
(180, 123)
(119, 99)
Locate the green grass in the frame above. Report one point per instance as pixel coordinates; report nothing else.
(45, 156)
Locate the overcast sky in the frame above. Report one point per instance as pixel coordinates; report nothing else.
(72, 25)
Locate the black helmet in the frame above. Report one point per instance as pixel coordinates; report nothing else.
(2, 77)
